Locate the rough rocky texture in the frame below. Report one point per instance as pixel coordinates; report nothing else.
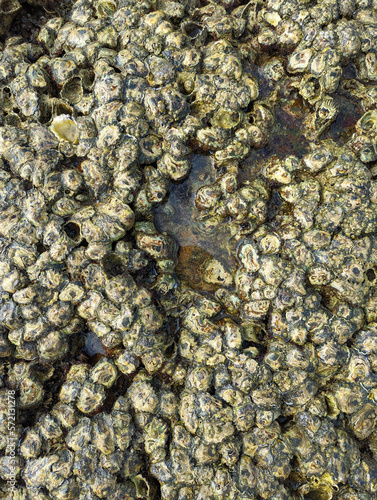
(259, 382)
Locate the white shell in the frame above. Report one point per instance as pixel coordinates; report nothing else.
(65, 128)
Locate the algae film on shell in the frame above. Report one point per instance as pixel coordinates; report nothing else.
(188, 249)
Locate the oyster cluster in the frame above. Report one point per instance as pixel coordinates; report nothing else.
(130, 382)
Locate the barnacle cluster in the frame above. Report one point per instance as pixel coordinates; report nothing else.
(258, 379)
